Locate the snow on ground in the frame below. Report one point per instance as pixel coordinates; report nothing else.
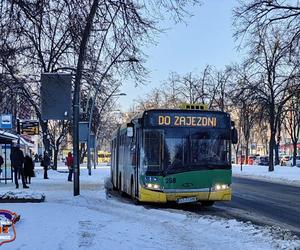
(94, 221)
(21, 195)
(281, 174)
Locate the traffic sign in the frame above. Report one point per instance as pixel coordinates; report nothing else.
(29, 127)
(6, 121)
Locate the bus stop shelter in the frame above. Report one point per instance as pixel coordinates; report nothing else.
(6, 141)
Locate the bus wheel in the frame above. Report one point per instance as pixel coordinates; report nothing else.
(207, 203)
(121, 193)
(113, 185)
(132, 193)
(132, 189)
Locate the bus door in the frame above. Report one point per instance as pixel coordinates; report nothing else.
(137, 161)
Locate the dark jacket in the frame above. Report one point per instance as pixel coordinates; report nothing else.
(46, 161)
(17, 158)
(1, 160)
(28, 166)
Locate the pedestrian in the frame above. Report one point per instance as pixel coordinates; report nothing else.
(17, 161)
(28, 169)
(36, 157)
(1, 163)
(69, 163)
(46, 163)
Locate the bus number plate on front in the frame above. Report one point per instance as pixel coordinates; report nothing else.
(186, 200)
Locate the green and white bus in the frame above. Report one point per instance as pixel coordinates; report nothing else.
(174, 155)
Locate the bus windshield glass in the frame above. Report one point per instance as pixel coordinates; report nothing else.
(181, 149)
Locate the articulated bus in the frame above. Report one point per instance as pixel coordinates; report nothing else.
(174, 155)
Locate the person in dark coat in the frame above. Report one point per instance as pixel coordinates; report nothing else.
(1, 163)
(46, 163)
(17, 161)
(28, 169)
(69, 162)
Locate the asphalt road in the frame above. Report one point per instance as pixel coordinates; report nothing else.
(260, 202)
(264, 203)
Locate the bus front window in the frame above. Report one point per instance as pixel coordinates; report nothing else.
(153, 150)
(210, 150)
(209, 147)
(195, 149)
(175, 152)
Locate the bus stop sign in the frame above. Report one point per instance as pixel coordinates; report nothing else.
(6, 121)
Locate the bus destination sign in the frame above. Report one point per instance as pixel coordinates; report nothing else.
(186, 121)
(178, 118)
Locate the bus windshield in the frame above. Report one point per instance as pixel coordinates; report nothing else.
(180, 149)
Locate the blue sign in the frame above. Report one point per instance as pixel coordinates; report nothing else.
(6, 121)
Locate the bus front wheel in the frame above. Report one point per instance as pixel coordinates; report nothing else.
(207, 203)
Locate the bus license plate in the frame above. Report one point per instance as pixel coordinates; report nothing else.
(186, 200)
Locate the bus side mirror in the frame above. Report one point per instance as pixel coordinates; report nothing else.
(234, 136)
(129, 130)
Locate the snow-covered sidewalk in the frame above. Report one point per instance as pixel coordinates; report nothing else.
(93, 221)
(281, 174)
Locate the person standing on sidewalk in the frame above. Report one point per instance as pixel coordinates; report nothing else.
(28, 169)
(1, 163)
(46, 163)
(17, 161)
(69, 162)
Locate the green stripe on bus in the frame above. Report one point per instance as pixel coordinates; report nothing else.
(195, 179)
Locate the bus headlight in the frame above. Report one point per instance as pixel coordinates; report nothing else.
(152, 186)
(219, 187)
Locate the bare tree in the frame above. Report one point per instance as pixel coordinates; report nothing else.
(256, 15)
(291, 122)
(35, 37)
(248, 117)
(52, 35)
(58, 131)
(272, 73)
(219, 91)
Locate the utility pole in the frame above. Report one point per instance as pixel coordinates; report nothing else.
(76, 101)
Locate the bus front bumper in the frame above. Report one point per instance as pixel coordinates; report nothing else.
(147, 195)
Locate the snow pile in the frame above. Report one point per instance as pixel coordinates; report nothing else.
(21, 195)
(94, 221)
(281, 174)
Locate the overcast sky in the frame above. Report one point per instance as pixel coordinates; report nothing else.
(206, 38)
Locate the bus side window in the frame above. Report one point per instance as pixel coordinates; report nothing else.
(133, 155)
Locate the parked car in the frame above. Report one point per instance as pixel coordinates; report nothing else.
(290, 162)
(252, 159)
(263, 160)
(284, 159)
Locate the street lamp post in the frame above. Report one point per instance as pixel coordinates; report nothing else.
(90, 125)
